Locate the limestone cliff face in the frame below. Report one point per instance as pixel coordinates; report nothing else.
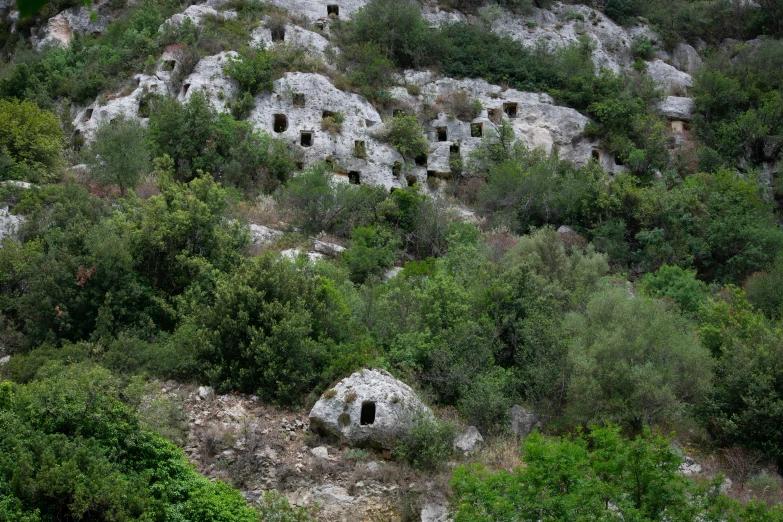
(295, 109)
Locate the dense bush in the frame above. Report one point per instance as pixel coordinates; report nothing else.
(633, 362)
(197, 138)
(32, 140)
(599, 476)
(119, 154)
(406, 135)
(428, 444)
(71, 449)
(269, 329)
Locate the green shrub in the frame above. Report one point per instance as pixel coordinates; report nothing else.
(677, 284)
(428, 444)
(486, 401)
(633, 362)
(70, 429)
(31, 138)
(406, 135)
(253, 70)
(268, 329)
(372, 251)
(599, 476)
(119, 154)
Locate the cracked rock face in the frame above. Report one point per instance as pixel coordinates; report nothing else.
(60, 28)
(369, 408)
(668, 78)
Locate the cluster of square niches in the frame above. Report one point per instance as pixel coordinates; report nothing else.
(280, 124)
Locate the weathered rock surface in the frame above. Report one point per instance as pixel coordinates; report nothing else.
(686, 58)
(668, 78)
(675, 108)
(262, 235)
(523, 422)
(467, 441)
(435, 512)
(59, 30)
(368, 408)
(208, 78)
(9, 223)
(327, 249)
(196, 13)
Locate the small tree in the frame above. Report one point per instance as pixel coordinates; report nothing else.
(119, 155)
(406, 135)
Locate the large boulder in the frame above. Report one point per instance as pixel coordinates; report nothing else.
(668, 78)
(523, 422)
(369, 408)
(686, 59)
(675, 108)
(467, 441)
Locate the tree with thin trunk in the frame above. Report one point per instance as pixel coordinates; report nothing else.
(119, 154)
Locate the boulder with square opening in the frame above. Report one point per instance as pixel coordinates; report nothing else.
(369, 408)
(511, 109)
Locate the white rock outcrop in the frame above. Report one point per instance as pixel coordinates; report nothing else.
(196, 13)
(686, 58)
(208, 77)
(59, 30)
(669, 78)
(675, 108)
(467, 441)
(9, 224)
(368, 408)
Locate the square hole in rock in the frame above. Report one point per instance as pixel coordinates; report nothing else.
(169, 65)
(185, 89)
(281, 123)
(306, 139)
(411, 180)
(511, 109)
(596, 155)
(355, 178)
(476, 130)
(278, 33)
(368, 413)
(333, 10)
(421, 160)
(396, 169)
(494, 116)
(299, 100)
(442, 133)
(359, 149)
(454, 148)
(87, 115)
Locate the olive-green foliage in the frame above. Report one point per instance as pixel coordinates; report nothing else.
(367, 69)
(599, 476)
(372, 251)
(745, 407)
(253, 70)
(739, 104)
(406, 134)
(197, 138)
(70, 448)
(526, 189)
(765, 291)
(486, 402)
(119, 154)
(91, 65)
(270, 329)
(105, 273)
(677, 284)
(396, 27)
(634, 362)
(428, 444)
(32, 140)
